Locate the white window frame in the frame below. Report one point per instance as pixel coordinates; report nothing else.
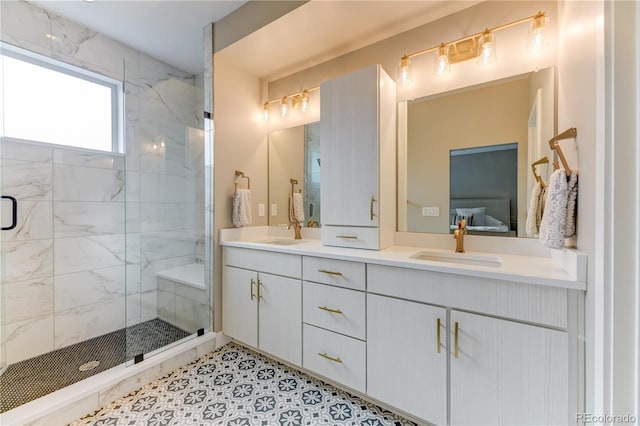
(116, 87)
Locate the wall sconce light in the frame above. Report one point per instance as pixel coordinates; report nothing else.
(481, 46)
(300, 101)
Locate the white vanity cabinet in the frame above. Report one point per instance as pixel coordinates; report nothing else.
(508, 361)
(407, 356)
(508, 373)
(358, 159)
(261, 301)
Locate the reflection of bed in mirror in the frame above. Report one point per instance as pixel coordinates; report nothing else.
(484, 216)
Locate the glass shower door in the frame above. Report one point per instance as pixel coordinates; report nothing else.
(167, 291)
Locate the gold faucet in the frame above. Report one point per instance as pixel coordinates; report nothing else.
(458, 234)
(312, 223)
(296, 229)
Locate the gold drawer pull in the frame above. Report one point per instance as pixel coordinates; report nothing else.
(438, 332)
(260, 295)
(348, 237)
(324, 271)
(333, 311)
(330, 358)
(455, 346)
(251, 288)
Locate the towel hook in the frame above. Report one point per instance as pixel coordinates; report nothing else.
(553, 144)
(242, 175)
(293, 182)
(543, 160)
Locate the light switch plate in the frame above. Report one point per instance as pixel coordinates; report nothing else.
(261, 209)
(274, 209)
(431, 211)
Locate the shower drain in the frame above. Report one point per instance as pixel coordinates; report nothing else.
(89, 365)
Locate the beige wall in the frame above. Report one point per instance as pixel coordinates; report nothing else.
(491, 115)
(240, 143)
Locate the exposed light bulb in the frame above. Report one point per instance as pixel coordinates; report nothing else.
(304, 101)
(404, 74)
(442, 65)
(265, 111)
(284, 108)
(538, 39)
(487, 52)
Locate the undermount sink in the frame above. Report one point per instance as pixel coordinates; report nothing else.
(282, 242)
(460, 258)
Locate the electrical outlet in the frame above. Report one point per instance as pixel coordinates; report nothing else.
(274, 209)
(261, 209)
(431, 211)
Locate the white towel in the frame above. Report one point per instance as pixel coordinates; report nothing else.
(570, 224)
(555, 211)
(241, 207)
(533, 212)
(297, 207)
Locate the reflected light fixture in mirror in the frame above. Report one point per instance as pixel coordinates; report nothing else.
(481, 46)
(300, 101)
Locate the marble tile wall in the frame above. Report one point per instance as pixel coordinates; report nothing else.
(95, 228)
(63, 279)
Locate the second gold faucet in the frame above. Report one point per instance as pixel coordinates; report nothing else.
(459, 234)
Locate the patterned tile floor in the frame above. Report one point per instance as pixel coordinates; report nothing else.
(235, 386)
(30, 379)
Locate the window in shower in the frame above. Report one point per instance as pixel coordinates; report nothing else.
(53, 102)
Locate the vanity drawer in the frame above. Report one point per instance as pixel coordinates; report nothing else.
(289, 265)
(341, 273)
(351, 236)
(526, 302)
(335, 309)
(334, 356)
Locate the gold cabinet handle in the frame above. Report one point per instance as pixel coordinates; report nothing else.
(333, 311)
(324, 271)
(438, 333)
(260, 295)
(348, 237)
(330, 358)
(251, 288)
(371, 214)
(455, 345)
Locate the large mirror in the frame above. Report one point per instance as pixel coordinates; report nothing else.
(468, 153)
(294, 166)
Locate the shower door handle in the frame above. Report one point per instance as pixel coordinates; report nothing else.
(14, 208)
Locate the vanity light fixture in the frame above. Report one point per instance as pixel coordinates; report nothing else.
(480, 45)
(300, 101)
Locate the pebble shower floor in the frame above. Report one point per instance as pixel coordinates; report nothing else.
(235, 386)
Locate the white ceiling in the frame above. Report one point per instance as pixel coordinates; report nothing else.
(321, 30)
(315, 32)
(168, 30)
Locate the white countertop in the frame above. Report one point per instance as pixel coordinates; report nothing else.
(526, 269)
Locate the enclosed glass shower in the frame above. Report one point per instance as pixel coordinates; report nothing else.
(105, 258)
